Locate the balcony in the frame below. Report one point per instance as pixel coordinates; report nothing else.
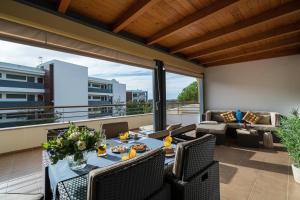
(99, 90)
(99, 103)
(21, 104)
(20, 84)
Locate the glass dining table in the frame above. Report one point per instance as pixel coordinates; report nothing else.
(65, 183)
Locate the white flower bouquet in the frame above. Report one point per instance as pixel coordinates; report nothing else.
(73, 142)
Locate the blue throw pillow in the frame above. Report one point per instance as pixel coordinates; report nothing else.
(239, 116)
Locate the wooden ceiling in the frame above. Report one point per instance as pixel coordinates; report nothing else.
(208, 32)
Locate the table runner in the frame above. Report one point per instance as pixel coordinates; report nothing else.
(61, 170)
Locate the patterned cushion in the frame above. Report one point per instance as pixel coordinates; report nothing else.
(251, 118)
(228, 117)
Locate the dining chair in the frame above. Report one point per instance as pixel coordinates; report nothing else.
(113, 129)
(184, 133)
(195, 174)
(20, 196)
(139, 178)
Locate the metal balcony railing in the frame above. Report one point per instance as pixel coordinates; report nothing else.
(30, 115)
(99, 90)
(21, 84)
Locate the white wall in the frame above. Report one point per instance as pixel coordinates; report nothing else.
(262, 85)
(70, 89)
(119, 92)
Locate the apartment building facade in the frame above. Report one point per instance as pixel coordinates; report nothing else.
(140, 96)
(66, 87)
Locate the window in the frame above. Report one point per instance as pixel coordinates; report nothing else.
(134, 95)
(30, 79)
(0, 96)
(30, 97)
(0, 75)
(40, 80)
(96, 97)
(96, 85)
(16, 77)
(90, 97)
(16, 96)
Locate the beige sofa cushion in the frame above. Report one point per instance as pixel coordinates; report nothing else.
(264, 119)
(14, 196)
(211, 128)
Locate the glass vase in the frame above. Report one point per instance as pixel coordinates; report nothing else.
(77, 161)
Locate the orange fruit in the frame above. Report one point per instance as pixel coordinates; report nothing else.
(169, 139)
(132, 153)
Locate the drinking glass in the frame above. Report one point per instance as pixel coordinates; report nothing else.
(102, 146)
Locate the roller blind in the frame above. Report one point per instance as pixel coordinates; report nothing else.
(33, 36)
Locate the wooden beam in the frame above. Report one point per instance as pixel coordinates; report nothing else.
(251, 39)
(266, 16)
(200, 14)
(248, 51)
(37, 18)
(271, 54)
(63, 6)
(132, 13)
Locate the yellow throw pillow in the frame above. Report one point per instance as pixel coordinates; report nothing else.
(251, 118)
(228, 117)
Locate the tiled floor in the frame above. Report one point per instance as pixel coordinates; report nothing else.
(253, 174)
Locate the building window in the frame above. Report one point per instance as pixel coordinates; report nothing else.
(0, 96)
(16, 96)
(30, 97)
(96, 97)
(16, 77)
(96, 85)
(40, 80)
(0, 75)
(30, 79)
(90, 97)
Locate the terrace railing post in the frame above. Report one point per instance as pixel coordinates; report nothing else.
(159, 96)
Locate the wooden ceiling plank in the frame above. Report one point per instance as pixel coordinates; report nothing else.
(266, 16)
(189, 20)
(63, 6)
(270, 54)
(132, 13)
(260, 49)
(273, 33)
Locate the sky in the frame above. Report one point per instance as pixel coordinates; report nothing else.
(133, 77)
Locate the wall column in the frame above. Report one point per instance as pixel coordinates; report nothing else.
(201, 96)
(159, 96)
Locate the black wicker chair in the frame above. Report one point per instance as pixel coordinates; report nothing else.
(114, 129)
(136, 179)
(184, 133)
(195, 175)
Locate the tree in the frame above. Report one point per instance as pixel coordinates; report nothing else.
(189, 93)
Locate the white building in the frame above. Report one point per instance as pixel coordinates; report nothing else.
(65, 86)
(20, 87)
(140, 96)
